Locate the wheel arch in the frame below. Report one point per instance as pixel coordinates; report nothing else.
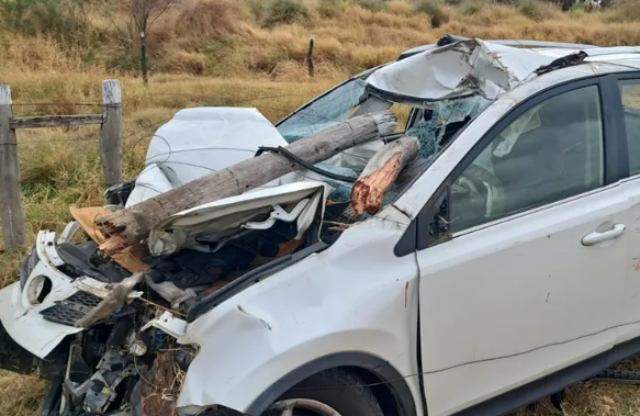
(387, 384)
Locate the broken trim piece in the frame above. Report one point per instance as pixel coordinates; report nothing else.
(168, 323)
(179, 230)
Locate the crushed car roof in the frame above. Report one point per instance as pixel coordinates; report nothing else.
(463, 68)
(457, 67)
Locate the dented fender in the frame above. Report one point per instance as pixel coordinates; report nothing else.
(350, 298)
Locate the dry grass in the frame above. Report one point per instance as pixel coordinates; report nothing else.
(229, 37)
(254, 66)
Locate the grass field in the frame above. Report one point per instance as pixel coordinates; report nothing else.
(240, 53)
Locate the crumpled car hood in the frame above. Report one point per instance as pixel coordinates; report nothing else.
(198, 141)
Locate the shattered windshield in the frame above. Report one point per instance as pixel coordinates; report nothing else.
(328, 110)
(435, 127)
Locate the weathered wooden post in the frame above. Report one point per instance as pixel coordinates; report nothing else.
(312, 72)
(143, 57)
(111, 132)
(10, 199)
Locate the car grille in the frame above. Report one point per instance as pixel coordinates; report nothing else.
(68, 311)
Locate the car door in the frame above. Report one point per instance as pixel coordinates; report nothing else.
(523, 256)
(628, 86)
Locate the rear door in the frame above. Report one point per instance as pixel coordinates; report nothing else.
(530, 278)
(628, 87)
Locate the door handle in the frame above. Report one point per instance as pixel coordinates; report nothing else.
(595, 237)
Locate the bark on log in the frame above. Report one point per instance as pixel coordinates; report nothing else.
(113, 302)
(133, 224)
(380, 173)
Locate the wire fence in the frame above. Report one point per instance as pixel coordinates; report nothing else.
(134, 135)
(124, 140)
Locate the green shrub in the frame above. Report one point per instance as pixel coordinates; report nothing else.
(286, 12)
(434, 10)
(329, 8)
(127, 59)
(577, 11)
(471, 7)
(373, 5)
(63, 20)
(258, 8)
(531, 9)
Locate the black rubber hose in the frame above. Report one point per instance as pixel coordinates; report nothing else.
(295, 159)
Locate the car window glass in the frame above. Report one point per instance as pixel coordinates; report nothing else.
(329, 110)
(436, 126)
(550, 152)
(630, 92)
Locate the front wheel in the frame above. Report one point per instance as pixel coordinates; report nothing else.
(333, 392)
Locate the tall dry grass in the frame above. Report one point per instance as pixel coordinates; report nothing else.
(264, 39)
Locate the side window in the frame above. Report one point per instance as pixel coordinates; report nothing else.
(630, 92)
(553, 151)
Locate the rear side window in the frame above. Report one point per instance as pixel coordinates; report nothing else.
(551, 152)
(630, 92)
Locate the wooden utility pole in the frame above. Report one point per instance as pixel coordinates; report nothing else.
(381, 172)
(312, 72)
(143, 58)
(111, 132)
(10, 198)
(131, 225)
(145, 13)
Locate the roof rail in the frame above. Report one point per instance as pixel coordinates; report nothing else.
(614, 50)
(448, 39)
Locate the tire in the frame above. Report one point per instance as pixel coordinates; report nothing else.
(339, 389)
(51, 403)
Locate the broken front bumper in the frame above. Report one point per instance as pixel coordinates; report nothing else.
(21, 309)
(41, 310)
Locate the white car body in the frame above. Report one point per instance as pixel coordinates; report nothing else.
(482, 332)
(495, 317)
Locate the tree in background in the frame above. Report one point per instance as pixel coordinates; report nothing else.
(144, 14)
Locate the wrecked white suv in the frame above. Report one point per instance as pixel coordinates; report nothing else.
(503, 265)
